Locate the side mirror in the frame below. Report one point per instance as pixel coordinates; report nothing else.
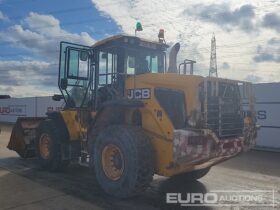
(63, 83)
(57, 97)
(83, 55)
(131, 62)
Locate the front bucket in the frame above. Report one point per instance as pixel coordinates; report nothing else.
(23, 136)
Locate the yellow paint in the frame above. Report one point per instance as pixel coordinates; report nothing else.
(73, 125)
(161, 129)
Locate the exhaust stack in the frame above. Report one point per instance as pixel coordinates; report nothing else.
(173, 58)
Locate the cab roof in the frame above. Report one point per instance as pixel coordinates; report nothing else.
(128, 39)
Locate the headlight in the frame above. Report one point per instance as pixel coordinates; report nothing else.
(195, 119)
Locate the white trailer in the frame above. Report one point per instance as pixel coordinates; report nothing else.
(268, 115)
(12, 108)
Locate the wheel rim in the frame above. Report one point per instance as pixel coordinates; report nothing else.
(112, 162)
(44, 145)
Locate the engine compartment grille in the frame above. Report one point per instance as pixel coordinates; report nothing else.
(173, 103)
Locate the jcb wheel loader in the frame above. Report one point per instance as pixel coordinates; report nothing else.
(128, 116)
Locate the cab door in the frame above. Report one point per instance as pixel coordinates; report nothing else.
(76, 69)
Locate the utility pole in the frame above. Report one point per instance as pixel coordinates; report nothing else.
(213, 71)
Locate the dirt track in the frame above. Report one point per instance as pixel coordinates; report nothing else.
(24, 186)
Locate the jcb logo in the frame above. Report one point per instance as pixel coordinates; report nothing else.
(143, 93)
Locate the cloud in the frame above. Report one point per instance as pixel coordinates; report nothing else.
(2, 16)
(43, 24)
(270, 52)
(16, 73)
(6, 90)
(222, 15)
(28, 78)
(41, 35)
(154, 15)
(274, 41)
(272, 21)
(266, 57)
(192, 23)
(253, 78)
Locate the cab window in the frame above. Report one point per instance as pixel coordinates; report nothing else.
(144, 61)
(107, 67)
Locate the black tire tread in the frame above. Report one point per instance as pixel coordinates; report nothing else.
(56, 163)
(142, 146)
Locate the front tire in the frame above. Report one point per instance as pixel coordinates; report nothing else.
(123, 160)
(48, 148)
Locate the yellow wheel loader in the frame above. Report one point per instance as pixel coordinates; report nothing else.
(128, 115)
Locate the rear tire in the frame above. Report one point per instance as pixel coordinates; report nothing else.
(48, 150)
(193, 175)
(123, 160)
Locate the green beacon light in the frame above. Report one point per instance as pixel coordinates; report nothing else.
(138, 27)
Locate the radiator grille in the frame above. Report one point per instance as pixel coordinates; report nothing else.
(224, 110)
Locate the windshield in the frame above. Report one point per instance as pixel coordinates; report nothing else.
(140, 61)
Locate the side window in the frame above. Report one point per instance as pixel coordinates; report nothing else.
(102, 67)
(73, 63)
(83, 67)
(78, 64)
(152, 63)
(130, 65)
(107, 67)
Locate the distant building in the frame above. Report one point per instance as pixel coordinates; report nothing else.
(4, 96)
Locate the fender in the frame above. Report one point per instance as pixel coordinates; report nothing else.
(60, 124)
(113, 112)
